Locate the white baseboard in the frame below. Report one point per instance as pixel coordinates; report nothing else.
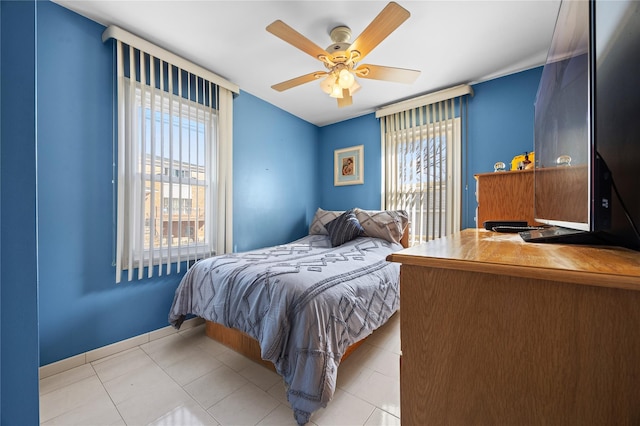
(123, 345)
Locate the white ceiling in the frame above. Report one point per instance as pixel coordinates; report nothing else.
(451, 42)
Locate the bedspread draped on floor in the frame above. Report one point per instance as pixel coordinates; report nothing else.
(304, 302)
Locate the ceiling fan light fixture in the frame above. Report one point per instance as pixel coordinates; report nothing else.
(336, 91)
(345, 79)
(342, 58)
(327, 85)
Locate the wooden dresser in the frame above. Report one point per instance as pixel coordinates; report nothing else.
(497, 331)
(505, 196)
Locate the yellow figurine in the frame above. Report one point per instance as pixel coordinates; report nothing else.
(523, 161)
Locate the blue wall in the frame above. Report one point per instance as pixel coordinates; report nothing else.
(500, 126)
(81, 307)
(18, 238)
(365, 131)
(274, 174)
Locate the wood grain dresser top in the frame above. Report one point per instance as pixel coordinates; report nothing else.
(485, 251)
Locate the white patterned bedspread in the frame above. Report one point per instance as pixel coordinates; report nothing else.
(305, 302)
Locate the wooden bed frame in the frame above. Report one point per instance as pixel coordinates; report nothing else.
(249, 347)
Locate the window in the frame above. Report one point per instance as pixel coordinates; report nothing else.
(173, 159)
(424, 180)
(176, 161)
(421, 149)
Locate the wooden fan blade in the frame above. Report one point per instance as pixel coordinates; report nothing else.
(294, 38)
(346, 99)
(391, 17)
(378, 72)
(298, 81)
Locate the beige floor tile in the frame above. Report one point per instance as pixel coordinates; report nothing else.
(387, 337)
(383, 361)
(353, 366)
(378, 389)
(149, 379)
(246, 406)
(260, 376)
(171, 340)
(190, 414)
(211, 346)
(66, 378)
(234, 360)
(97, 412)
(72, 397)
(382, 418)
(282, 415)
(279, 392)
(193, 367)
(152, 399)
(169, 350)
(187, 379)
(215, 386)
(197, 331)
(343, 410)
(121, 364)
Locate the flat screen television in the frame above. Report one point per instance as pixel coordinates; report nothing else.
(587, 127)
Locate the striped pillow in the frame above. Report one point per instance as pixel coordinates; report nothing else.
(344, 228)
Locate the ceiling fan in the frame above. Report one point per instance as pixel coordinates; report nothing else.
(342, 59)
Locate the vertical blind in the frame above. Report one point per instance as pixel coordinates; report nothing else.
(173, 163)
(421, 162)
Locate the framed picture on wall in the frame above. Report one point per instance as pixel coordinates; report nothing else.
(348, 165)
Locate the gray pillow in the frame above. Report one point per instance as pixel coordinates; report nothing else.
(344, 228)
(321, 218)
(386, 224)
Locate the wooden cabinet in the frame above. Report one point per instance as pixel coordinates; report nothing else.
(497, 331)
(505, 196)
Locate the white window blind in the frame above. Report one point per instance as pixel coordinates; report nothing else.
(421, 145)
(173, 160)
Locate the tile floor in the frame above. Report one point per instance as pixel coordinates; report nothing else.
(188, 379)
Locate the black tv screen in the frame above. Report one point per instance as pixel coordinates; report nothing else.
(586, 131)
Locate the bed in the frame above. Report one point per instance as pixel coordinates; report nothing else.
(299, 307)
